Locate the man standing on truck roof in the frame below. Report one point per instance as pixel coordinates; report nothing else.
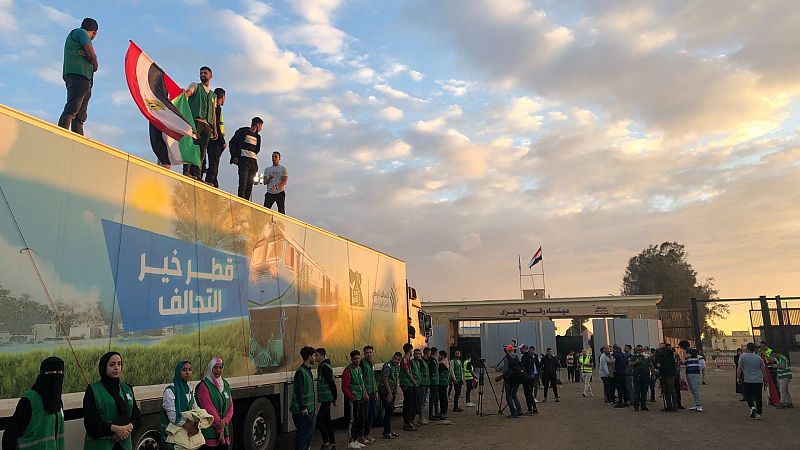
(245, 145)
(354, 390)
(326, 391)
(203, 103)
(275, 177)
(303, 400)
(408, 385)
(216, 146)
(388, 390)
(80, 64)
(368, 369)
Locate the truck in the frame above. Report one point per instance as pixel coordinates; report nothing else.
(102, 250)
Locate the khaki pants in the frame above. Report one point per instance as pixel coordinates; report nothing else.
(783, 388)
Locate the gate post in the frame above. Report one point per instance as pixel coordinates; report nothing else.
(698, 343)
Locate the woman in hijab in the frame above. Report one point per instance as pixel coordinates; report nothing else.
(38, 421)
(214, 395)
(110, 413)
(178, 397)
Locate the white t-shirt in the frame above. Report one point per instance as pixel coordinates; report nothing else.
(273, 175)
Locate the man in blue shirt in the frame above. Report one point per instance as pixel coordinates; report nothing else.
(80, 64)
(620, 369)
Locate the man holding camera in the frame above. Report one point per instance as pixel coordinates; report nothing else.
(513, 375)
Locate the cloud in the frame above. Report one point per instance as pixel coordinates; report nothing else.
(319, 31)
(396, 93)
(391, 114)
(256, 10)
(8, 21)
(52, 74)
(59, 17)
(268, 69)
(449, 258)
(397, 69)
(470, 241)
(459, 88)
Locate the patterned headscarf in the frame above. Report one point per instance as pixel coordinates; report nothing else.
(210, 374)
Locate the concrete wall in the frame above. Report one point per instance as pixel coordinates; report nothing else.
(626, 331)
(494, 336)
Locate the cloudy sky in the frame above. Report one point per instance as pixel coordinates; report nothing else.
(459, 134)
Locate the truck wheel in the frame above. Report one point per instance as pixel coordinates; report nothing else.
(149, 440)
(260, 426)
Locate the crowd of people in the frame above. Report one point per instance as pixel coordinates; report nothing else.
(205, 103)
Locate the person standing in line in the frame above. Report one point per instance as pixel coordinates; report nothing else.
(213, 393)
(110, 413)
(203, 104)
(216, 147)
(751, 373)
(641, 369)
(178, 397)
(694, 378)
(327, 396)
(649, 355)
(275, 177)
(444, 381)
(620, 368)
(38, 420)
(585, 368)
(371, 392)
(469, 379)
(531, 371)
(429, 355)
(303, 400)
(605, 366)
(80, 64)
(408, 385)
(550, 366)
(680, 355)
(629, 387)
(512, 375)
(784, 378)
(420, 369)
(417, 376)
(245, 145)
(387, 389)
(457, 377)
(570, 367)
(353, 389)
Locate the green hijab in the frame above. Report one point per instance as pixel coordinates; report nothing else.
(180, 388)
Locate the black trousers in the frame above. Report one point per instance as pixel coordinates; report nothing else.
(248, 168)
(203, 138)
(280, 199)
(325, 424)
(214, 153)
(443, 399)
(753, 394)
(570, 373)
(409, 404)
(79, 91)
(457, 394)
(678, 391)
(641, 384)
(549, 379)
(527, 389)
(668, 391)
(469, 384)
(388, 409)
(356, 430)
(623, 396)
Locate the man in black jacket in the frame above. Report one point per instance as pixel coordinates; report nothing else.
(245, 145)
(550, 366)
(530, 362)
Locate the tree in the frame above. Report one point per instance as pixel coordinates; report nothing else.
(664, 269)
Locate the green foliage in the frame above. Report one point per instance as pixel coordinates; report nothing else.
(664, 269)
(143, 364)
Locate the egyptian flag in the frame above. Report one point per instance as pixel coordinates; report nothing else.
(536, 258)
(164, 105)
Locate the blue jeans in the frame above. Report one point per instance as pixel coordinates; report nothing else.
(629, 386)
(305, 430)
(514, 407)
(369, 414)
(694, 380)
(422, 394)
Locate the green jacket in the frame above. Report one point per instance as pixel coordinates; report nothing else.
(45, 431)
(368, 370)
(107, 408)
(222, 403)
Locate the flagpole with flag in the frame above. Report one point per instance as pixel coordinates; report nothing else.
(521, 297)
(536, 259)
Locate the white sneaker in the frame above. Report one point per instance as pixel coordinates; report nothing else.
(355, 445)
(423, 422)
(758, 416)
(535, 401)
(693, 408)
(752, 412)
(699, 409)
(470, 404)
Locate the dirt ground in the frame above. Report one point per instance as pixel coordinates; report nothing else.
(582, 423)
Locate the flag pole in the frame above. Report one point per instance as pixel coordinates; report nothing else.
(544, 285)
(520, 276)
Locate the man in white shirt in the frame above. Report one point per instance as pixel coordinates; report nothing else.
(275, 177)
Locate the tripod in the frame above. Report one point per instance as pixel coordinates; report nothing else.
(481, 381)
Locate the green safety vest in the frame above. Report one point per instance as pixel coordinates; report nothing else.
(202, 104)
(467, 372)
(784, 374)
(405, 380)
(458, 370)
(368, 370)
(424, 376)
(586, 364)
(222, 403)
(415, 372)
(107, 409)
(356, 382)
(394, 372)
(308, 393)
(45, 431)
(444, 376)
(323, 389)
(74, 63)
(433, 371)
(165, 421)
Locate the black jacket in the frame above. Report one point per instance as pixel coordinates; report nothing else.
(531, 362)
(549, 364)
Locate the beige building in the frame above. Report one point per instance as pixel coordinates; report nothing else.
(737, 339)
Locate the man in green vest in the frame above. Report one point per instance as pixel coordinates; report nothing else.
(469, 378)
(585, 364)
(327, 395)
(371, 400)
(80, 64)
(457, 376)
(38, 421)
(203, 103)
(354, 390)
(444, 381)
(784, 378)
(429, 355)
(216, 147)
(408, 385)
(423, 380)
(387, 389)
(303, 400)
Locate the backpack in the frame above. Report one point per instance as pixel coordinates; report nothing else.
(516, 371)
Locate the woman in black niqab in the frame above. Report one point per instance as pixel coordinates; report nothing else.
(49, 383)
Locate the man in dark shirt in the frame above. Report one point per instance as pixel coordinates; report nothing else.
(327, 396)
(620, 369)
(665, 362)
(80, 64)
(530, 363)
(550, 366)
(216, 146)
(245, 145)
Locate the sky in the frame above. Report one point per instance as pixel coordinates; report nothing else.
(461, 135)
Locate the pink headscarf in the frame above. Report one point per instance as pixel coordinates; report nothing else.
(210, 374)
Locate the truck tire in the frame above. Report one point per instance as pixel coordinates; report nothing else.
(260, 427)
(149, 439)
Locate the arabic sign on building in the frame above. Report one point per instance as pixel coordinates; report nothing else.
(483, 312)
(163, 281)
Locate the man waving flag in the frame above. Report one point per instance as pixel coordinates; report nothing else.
(536, 258)
(163, 103)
